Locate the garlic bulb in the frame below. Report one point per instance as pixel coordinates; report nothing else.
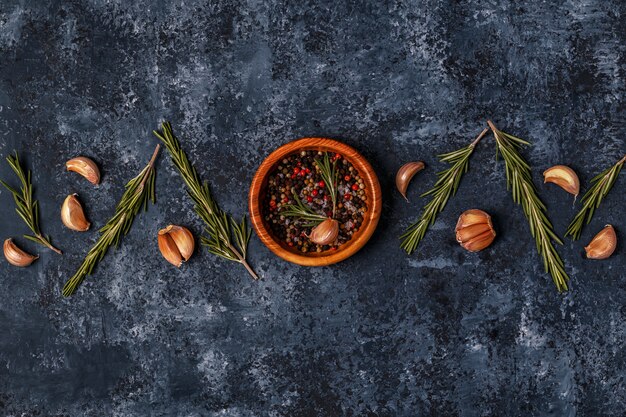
(474, 230)
(176, 244)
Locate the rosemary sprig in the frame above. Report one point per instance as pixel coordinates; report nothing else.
(519, 181)
(138, 191)
(446, 185)
(25, 205)
(220, 227)
(602, 184)
(329, 174)
(302, 211)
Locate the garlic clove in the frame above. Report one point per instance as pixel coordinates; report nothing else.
(474, 230)
(183, 239)
(73, 215)
(603, 244)
(564, 177)
(85, 167)
(405, 174)
(176, 244)
(16, 256)
(325, 233)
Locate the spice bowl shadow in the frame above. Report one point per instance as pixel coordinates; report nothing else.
(258, 191)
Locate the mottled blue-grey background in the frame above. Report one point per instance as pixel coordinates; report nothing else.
(440, 333)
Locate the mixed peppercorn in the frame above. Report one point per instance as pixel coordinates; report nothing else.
(300, 173)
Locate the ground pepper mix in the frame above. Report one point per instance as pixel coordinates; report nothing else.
(299, 172)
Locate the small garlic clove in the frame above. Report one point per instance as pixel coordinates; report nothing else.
(176, 244)
(183, 239)
(325, 233)
(85, 167)
(474, 230)
(73, 215)
(603, 244)
(564, 177)
(405, 174)
(16, 256)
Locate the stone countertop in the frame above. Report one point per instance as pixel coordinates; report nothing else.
(440, 332)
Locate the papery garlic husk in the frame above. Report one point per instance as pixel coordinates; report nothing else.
(17, 256)
(176, 244)
(564, 177)
(325, 233)
(405, 175)
(85, 167)
(603, 244)
(73, 215)
(474, 230)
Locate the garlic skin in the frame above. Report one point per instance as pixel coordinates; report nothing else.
(176, 244)
(603, 244)
(405, 175)
(16, 256)
(325, 233)
(85, 167)
(73, 215)
(474, 230)
(564, 177)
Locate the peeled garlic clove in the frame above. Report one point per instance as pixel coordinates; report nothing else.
(325, 233)
(564, 177)
(73, 215)
(405, 174)
(17, 256)
(474, 230)
(176, 244)
(85, 167)
(603, 244)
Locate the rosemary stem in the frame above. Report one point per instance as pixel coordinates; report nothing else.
(480, 136)
(243, 261)
(47, 244)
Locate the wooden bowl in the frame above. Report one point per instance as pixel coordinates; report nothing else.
(370, 219)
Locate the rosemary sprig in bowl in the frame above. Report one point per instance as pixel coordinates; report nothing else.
(519, 181)
(303, 212)
(226, 237)
(602, 184)
(25, 205)
(446, 186)
(138, 192)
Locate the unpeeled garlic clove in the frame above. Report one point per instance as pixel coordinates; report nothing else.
(17, 256)
(603, 244)
(325, 233)
(85, 167)
(73, 215)
(564, 177)
(176, 244)
(474, 230)
(405, 174)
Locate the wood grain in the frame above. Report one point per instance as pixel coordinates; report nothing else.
(359, 239)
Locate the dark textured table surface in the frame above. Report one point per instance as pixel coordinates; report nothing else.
(442, 332)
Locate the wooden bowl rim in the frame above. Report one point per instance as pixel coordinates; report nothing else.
(372, 189)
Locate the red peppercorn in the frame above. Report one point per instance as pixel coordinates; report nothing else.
(337, 156)
(293, 176)
(314, 193)
(296, 170)
(309, 198)
(290, 243)
(326, 197)
(321, 184)
(346, 178)
(272, 203)
(347, 196)
(355, 187)
(308, 171)
(285, 200)
(299, 163)
(302, 173)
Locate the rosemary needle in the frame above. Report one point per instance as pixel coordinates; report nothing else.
(446, 186)
(25, 205)
(138, 191)
(221, 228)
